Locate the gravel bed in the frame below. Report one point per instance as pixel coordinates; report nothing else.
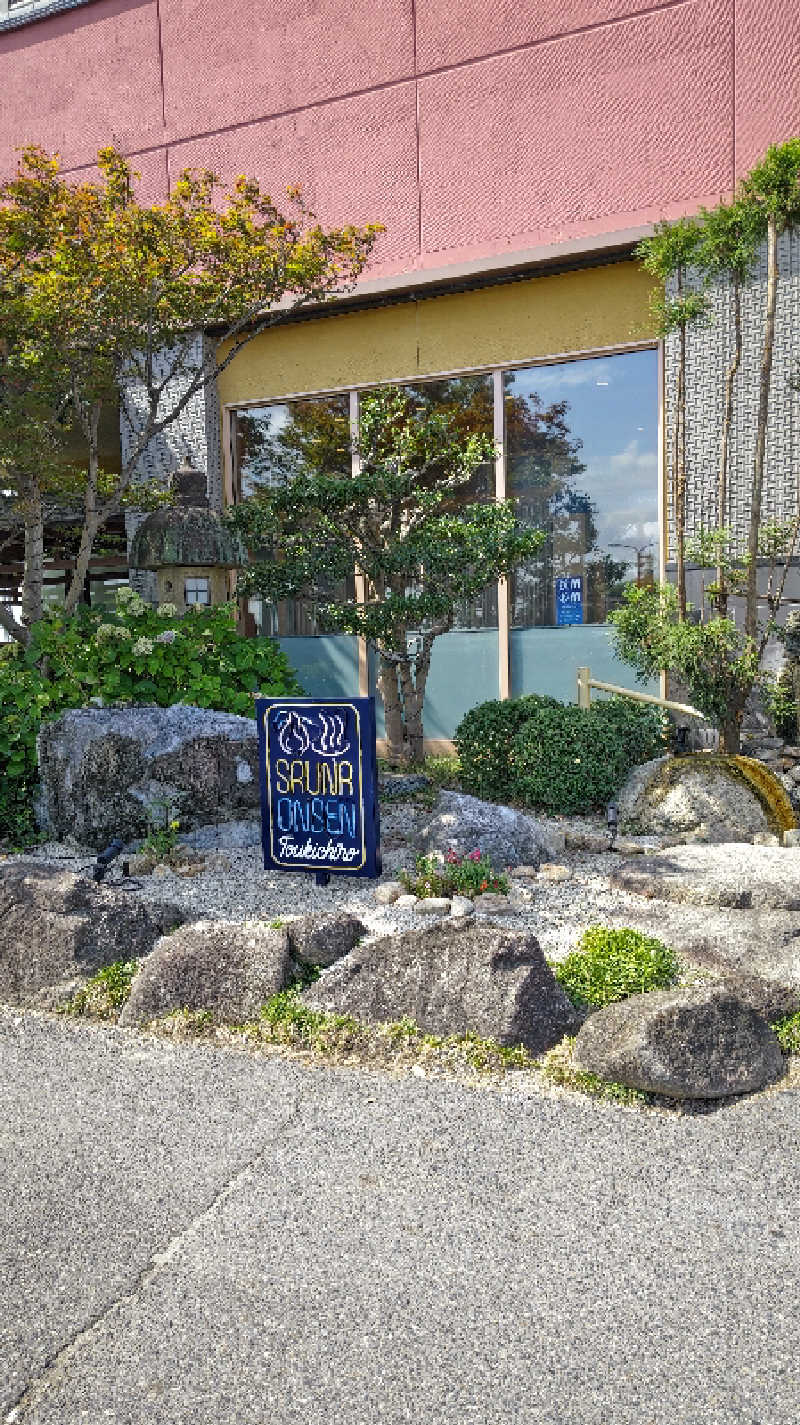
(556, 912)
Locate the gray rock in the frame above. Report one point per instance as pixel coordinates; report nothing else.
(467, 824)
(387, 892)
(687, 794)
(224, 836)
(792, 837)
(452, 979)
(738, 877)
(229, 968)
(553, 871)
(109, 772)
(57, 928)
(765, 838)
(529, 873)
(461, 907)
(324, 938)
(701, 1043)
(580, 840)
(491, 904)
(433, 905)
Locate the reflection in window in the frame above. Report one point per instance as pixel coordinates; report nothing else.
(468, 402)
(582, 451)
(274, 444)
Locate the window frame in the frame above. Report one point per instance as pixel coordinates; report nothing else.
(497, 372)
(14, 13)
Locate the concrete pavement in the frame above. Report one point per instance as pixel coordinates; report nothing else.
(190, 1234)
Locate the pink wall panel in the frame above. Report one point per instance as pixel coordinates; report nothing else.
(581, 134)
(227, 61)
(355, 160)
(82, 79)
(446, 35)
(767, 77)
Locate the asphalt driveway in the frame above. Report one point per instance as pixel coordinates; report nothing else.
(196, 1235)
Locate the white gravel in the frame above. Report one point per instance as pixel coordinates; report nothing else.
(556, 912)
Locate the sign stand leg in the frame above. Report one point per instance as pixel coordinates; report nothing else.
(322, 878)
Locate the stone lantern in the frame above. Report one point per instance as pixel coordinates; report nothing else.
(187, 547)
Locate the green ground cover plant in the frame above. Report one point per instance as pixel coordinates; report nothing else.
(556, 757)
(788, 1032)
(133, 653)
(610, 965)
(557, 1068)
(103, 996)
(470, 875)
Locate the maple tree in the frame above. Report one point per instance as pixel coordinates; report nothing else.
(101, 300)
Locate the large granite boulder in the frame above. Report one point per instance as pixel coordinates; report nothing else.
(708, 798)
(324, 937)
(112, 772)
(740, 877)
(506, 836)
(699, 1043)
(227, 967)
(452, 979)
(57, 928)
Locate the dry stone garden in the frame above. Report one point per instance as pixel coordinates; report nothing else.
(651, 961)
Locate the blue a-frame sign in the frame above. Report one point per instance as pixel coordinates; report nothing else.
(319, 785)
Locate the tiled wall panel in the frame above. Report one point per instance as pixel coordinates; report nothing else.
(483, 27)
(82, 79)
(228, 61)
(355, 160)
(620, 121)
(767, 76)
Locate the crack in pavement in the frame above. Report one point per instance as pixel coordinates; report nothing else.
(65, 1354)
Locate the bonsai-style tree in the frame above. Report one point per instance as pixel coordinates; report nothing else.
(101, 301)
(719, 662)
(398, 524)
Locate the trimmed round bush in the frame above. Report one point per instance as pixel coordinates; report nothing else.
(484, 739)
(568, 760)
(556, 757)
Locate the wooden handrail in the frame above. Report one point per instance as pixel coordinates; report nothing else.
(586, 682)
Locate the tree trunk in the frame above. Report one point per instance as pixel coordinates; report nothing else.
(392, 711)
(730, 735)
(33, 577)
(412, 714)
(725, 440)
(680, 476)
(751, 599)
(91, 516)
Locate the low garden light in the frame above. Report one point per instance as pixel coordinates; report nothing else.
(612, 821)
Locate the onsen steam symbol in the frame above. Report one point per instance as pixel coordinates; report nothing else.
(323, 733)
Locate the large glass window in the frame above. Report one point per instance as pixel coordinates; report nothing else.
(582, 465)
(580, 459)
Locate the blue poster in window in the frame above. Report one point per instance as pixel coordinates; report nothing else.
(319, 785)
(569, 600)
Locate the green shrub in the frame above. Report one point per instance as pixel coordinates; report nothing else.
(470, 875)
(134, 654)
(568, 760)
(484, 739)
(555, 756)
(609, 965)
